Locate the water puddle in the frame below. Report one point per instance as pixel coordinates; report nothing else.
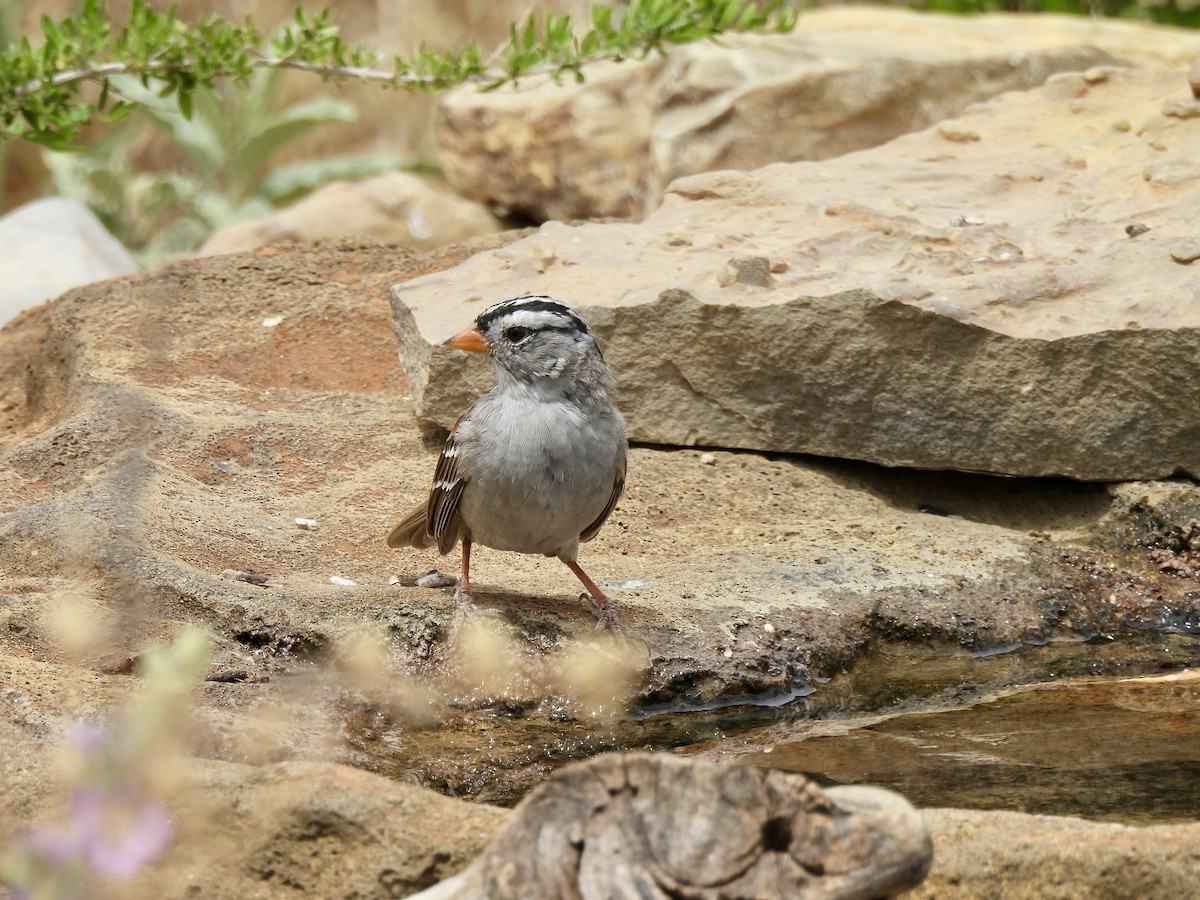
(1124, 749)
(1057, 728)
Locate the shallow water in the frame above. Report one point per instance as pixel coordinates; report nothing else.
(1058, 728)
(1114, 748)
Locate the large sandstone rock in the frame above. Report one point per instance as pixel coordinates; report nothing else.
(846, 79)
(1008, 292)
(158, 432)
(396, 208)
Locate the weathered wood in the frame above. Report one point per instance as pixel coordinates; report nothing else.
(660, 827)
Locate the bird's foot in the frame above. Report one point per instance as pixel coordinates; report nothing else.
(605, 613)
(466, 613)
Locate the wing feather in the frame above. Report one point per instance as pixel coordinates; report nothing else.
(618, 489)
(436, 521)
(448, 483)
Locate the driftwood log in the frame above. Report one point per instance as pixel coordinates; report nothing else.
(652, 826)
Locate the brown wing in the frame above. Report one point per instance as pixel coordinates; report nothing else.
(436, 521)
(618, 489)
(448, 484)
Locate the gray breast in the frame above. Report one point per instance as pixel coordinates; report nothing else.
(540, 473)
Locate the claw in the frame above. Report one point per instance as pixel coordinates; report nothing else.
(605, 613)
(466, 613)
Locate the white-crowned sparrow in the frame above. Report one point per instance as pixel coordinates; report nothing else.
(537, 464)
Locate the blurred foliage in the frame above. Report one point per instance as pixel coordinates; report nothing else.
(1166, 12)
(212, 89)
(117, 777)
(42, 89)
(223, 170)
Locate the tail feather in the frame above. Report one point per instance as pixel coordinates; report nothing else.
(413, 531)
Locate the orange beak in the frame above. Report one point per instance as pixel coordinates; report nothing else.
(469, 339)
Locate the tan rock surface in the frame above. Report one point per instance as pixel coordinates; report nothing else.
(396, 208)
(1009, 855)
(848, 78)
(312, 828)
(936, 303)
(158, 431)
(308, 827)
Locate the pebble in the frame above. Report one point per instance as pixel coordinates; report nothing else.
(751, 271)
(306, 524)
(248, 577)
(1186, 252)
(957, 134)
(435, 579)
(1181, 107)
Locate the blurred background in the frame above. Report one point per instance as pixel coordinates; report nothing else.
(162, 184)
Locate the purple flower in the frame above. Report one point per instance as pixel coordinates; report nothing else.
(118, 831)
(110, 832)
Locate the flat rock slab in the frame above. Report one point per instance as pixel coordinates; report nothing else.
(1009, 292)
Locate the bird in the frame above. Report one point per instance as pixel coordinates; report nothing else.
(537, 464)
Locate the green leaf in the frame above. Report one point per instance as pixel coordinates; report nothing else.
(288, 183)
(119, 111)
(63, 140)
(285, 128)
(51, 30)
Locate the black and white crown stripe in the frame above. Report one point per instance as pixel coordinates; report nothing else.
(533, 311)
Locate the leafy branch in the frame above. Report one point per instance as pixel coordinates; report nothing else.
(49, 93)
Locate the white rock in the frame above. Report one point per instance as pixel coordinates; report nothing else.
(50, 246)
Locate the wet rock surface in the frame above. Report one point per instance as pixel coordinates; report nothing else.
(1115, 749)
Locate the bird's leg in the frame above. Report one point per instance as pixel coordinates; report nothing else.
(462, 595)
(465, 609)
(602, 607)
(464, 606)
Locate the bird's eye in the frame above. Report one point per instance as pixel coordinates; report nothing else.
(516, 334)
